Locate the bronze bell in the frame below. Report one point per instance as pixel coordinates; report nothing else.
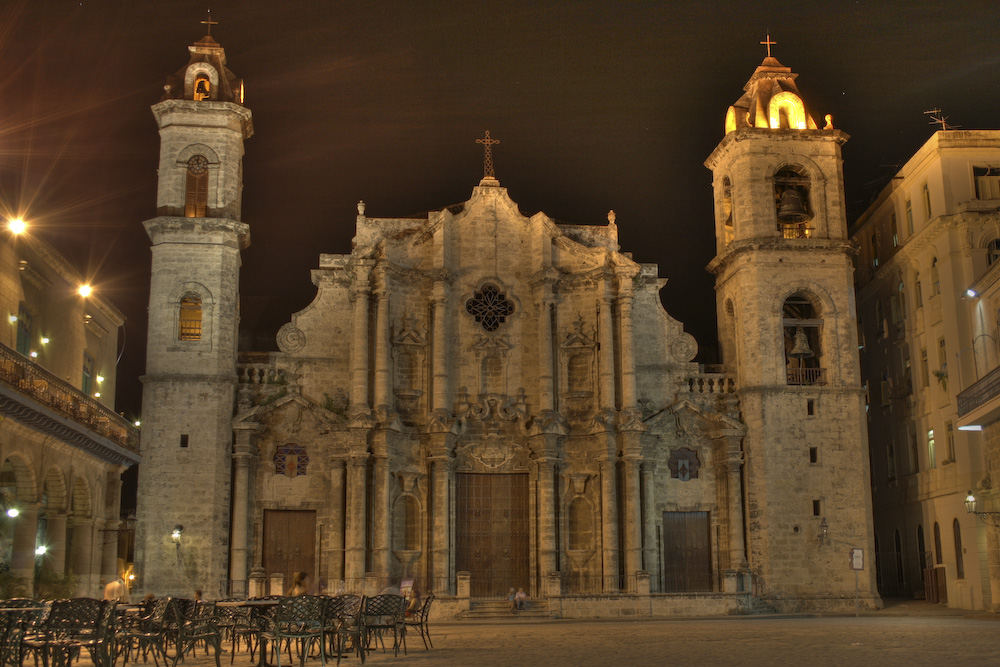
(801, 348)
(791, 209)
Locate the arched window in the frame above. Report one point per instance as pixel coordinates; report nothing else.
(727, 203)
(189, 318)
(196, 192)
(791, 201)
(959, 557)
(992, 251)
(802, 329)
(202, 88)
(786, 111)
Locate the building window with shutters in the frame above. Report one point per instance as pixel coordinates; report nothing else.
(196, 191)
(927, 202)
(909, 217)
(893, 231)
(987, 182)
(87, 381)
(189, 318)
(931, 456)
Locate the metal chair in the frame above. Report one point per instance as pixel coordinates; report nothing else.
(145, 633)
(299, 618)
(194, 624)
(69, 625)
(383, 613)
(419, 621)
(342, 622)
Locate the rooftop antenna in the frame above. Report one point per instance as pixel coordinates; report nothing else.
(938, 119)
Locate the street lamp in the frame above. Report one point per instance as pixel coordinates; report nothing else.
(989, 518)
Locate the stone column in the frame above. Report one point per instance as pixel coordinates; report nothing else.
(383, 360)
(632, 517)
(606, 356)
(546, 383)
(609, 525)
(109, 553)
(734, 503)
(240, 546)
(338, 531)
(440, 543)
(55, 536)
(627, 371)
(649, 521)
(439, 361)
(381, 556)
(354, 559)
(82, 558)
(359, 342)
(546, 518)
(22, 560)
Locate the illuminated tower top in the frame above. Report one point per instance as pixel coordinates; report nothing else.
(205, 77)
(771, 100)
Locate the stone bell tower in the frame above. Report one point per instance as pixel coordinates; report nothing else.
(788, 328)
(188, 389)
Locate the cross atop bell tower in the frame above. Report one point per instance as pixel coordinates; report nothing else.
(489, 176)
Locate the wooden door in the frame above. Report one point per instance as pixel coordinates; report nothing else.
(492, 532)
(290, 544)
(687, 551)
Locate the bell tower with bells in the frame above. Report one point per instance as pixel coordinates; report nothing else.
(190, 381)
(788, 331)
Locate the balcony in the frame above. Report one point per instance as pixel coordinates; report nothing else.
(979, 404)
(805, 375)
(35, 397)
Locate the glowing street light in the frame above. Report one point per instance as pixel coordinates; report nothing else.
(85, 290)
(40, 550)
(17, 226)
(13, 512)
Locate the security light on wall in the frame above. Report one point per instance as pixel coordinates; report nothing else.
(175, 534)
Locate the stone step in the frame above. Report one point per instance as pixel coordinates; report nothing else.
(484, 609)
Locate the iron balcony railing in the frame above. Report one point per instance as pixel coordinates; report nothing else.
(980, 392)
(33, 381)
(806, 375)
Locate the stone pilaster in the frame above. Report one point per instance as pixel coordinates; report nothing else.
(22, 561)
(359, 339)
(650, 519)
(606, 356)
(632, 516)
(383, 356)
(609, 524)
(354, 558)
(627, 371)
(243, 455)
(82, 559)
(55, 536)
(440, 402)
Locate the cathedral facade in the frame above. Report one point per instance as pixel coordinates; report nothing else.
(477, 399)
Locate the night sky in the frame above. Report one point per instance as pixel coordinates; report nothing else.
(597, 105)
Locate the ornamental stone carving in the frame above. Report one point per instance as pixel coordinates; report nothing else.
(684, 348)
(290, 339)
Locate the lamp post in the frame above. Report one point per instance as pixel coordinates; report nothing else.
(987, 517)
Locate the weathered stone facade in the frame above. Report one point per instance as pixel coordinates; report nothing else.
(478, 399)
